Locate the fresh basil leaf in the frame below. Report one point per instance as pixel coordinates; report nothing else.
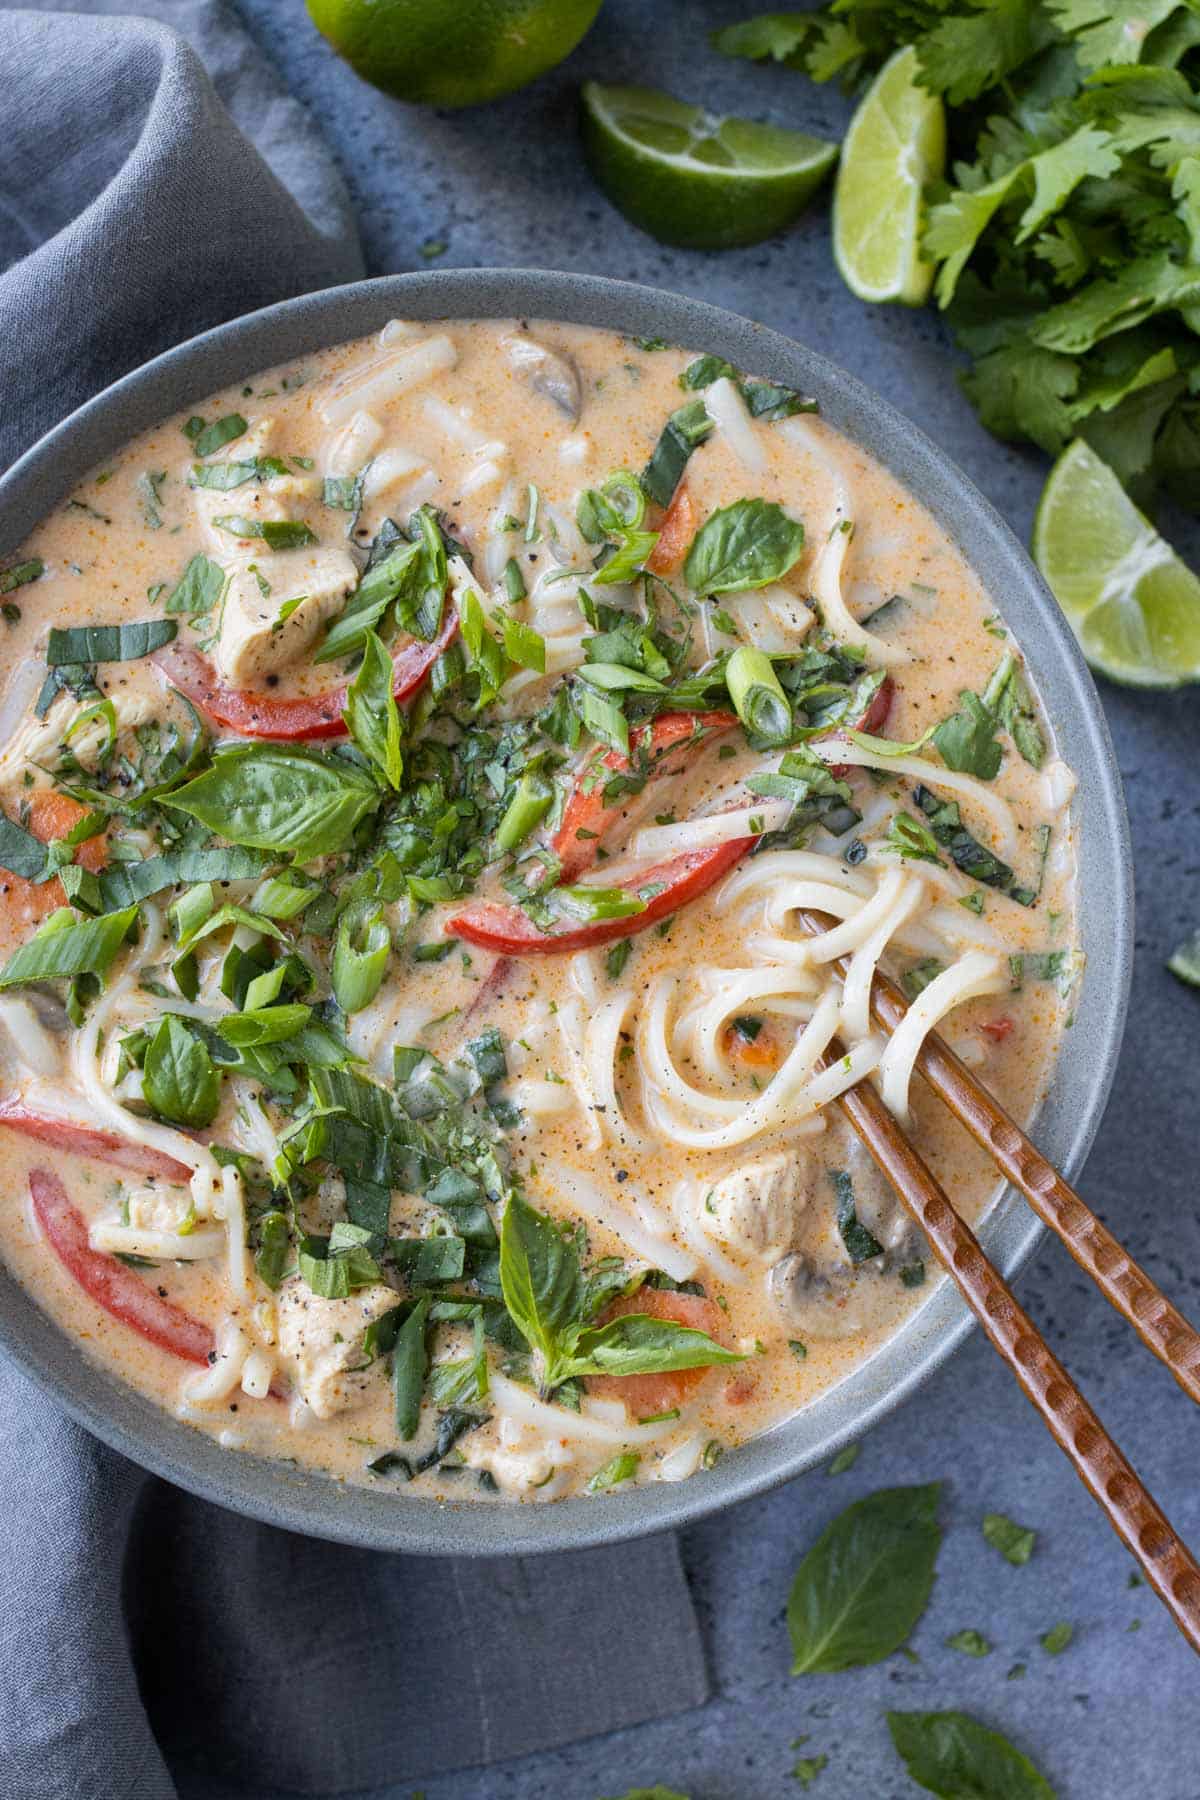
(336, 1267)
(179, 1078)
(965, 741)
(276, 534)
(966, 852)
(952, 1755)
(65, 947)
(1014, 1542)
(861, 1246)
(221, 478)
(207, 438)
(1184, 961)
(274, 1251)
(742, 546)
(622, 1467)
(767, 401)
(540, 1279)
(969, 1643)
(107, 643)
(705, 370)
(686, 428)
(266, 1025)
(636, 1344)
(917, 977)
(371, 713)
(410, 1366)
(20, 574)
(429, 1258)
(294, 802)
(488, 1054)
(20, 852)
(866, 1581)
(652, 1793)
(1008, 698)
(198, 589)
(124, 884)
(395, 573)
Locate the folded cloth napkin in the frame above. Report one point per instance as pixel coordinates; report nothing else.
(150, 1644)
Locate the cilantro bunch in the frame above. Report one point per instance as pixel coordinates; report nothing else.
(1067, 241)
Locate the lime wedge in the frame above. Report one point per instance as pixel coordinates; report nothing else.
(692, 179)
(1133, 605)
(896, 144)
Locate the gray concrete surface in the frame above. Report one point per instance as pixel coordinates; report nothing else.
(1117, 1712)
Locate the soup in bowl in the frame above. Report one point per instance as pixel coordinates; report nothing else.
(418, 759)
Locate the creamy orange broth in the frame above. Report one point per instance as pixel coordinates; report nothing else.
(471, 440)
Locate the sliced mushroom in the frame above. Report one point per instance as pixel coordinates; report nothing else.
(550, 373)
(820, 1292)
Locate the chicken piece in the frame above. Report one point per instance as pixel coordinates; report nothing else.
(254, 642)
(519, 1460)
(161, 1207)
(819, 1290)
(323, 1342)
(36, 744)
(754, 1209)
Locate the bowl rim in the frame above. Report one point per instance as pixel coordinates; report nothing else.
(380, 1518)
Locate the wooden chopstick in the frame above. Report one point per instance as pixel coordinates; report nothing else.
(1133, 1513)
(1123, 1282)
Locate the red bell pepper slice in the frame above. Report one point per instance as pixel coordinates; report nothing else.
(113, 1285)
(91, 1140)
(256, 715)
(676, 532)
(585, 810)
(511, 932)
(872, 721)
(50, 815)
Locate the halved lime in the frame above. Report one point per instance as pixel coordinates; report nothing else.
(896, 144)
(446, 53)
(1131, 602)
(692, 179)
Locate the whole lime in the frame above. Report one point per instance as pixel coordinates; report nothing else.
(452, 52)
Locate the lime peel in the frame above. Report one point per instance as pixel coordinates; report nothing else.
(693, 178)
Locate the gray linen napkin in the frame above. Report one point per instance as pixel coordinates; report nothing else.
(146, 1637)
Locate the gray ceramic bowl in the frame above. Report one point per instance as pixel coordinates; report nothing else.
(381, 1517)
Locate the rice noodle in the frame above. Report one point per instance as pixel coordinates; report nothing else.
(384, 378)
(660, 841)
(997, 811)
(727, 410)
(975, 974)
(585, 1198)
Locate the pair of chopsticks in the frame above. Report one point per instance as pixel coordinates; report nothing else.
(1132, 1511)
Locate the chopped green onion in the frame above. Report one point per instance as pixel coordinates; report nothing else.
(20, 574)
(595, 903)
(65, 947)
(360, 955)
(514, 584)
(757, 695)
(529, 805)
(524, 646)
(623, 490)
